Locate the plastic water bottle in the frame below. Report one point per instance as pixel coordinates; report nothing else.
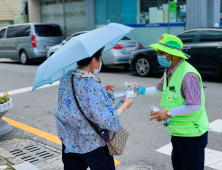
(138, 89)
(166, 122)
(120, 97)
(130, 86)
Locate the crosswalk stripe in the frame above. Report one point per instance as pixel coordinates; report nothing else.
(213, 158)
(216, 126)
(26, 89)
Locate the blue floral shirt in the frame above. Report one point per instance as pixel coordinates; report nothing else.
(73, 129)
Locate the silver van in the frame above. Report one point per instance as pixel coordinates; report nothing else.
(28, 41)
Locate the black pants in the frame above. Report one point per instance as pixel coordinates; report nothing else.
(188, 152)
(98, 159)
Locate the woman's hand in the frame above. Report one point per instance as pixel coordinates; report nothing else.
(128, 101)
(126, 104)
(108, 88)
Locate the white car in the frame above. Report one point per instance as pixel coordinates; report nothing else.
(53, 49)
(118, 55)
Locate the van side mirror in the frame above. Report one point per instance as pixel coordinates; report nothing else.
(63, 42)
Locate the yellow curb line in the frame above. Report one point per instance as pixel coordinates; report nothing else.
(40, 133)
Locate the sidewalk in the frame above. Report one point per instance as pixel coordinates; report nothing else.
(10, 162)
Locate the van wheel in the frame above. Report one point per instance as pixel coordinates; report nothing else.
(143, 66)
(24, 59)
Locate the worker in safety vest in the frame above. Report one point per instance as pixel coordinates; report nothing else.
(184, 103)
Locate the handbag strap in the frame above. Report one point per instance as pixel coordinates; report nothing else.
(90, 122)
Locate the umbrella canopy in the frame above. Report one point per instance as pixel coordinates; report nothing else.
(76, 49)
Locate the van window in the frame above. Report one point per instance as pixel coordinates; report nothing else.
(12, 32)
(24, 31)
(48, 30)
(2, 33)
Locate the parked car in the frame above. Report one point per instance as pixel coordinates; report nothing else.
(28, 41)
(118, 55)
(53, 49)
(204, 45)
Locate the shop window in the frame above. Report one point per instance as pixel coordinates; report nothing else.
(156, 11)
(139, 11)
(118, 11)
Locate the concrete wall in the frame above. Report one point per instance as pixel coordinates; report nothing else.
(34, 11)
(9, 9)
(203, 13)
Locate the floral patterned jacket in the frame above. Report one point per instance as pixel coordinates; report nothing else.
(73, 129)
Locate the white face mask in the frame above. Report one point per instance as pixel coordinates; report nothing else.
(97, 70)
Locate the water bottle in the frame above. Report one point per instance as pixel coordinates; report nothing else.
(166, 122)
(120, 97)
(130, 86)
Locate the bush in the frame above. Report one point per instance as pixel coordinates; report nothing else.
(5, 98)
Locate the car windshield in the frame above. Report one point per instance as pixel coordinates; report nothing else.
(74, 36)
(48, 30)
(125, 38)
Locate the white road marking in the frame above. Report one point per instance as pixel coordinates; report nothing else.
(216, 126)
(167, 149)
(213, 158)
(26, 89)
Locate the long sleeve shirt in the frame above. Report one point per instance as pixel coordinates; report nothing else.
(73, 129)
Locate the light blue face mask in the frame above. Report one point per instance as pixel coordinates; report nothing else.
(163, 61)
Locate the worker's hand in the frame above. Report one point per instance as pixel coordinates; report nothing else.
(159, 115)
(139, 90)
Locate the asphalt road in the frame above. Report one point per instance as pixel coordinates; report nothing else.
(36, 109)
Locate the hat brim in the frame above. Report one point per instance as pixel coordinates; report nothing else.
(168, 50)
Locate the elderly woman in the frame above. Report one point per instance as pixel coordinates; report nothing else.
(82, 146)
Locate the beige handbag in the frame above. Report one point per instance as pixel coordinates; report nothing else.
(115, 141)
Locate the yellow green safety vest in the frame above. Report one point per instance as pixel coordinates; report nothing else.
(194, 124)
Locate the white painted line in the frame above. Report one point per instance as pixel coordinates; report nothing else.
(25, 166)
(213, 159)
(167, 149)
(216, 126)
(29, 89)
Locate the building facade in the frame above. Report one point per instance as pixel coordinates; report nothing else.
(8, 9)
(151, 18)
